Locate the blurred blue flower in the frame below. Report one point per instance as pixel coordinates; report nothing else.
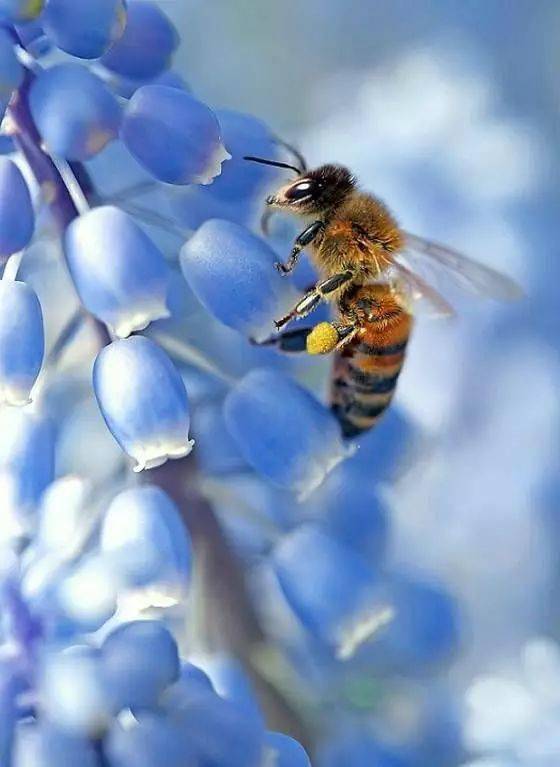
(146, 539)
(22, 342)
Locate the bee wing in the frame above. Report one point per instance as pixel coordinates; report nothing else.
(416, 295)
(470, 274)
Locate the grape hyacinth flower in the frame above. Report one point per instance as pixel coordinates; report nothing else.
(143, 534)
(22, 342)
(11, 71)
(283, 431)
(147, 44)
(270, 586)
(86, 30)
(173, 135)
(75, 113)
(143, 401)
(121, 276)
(17, 219)
(231, 272)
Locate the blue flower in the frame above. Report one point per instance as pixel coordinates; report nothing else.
(22, 342)
(145, 49)
(87, 29)
(143, 400)
(231, 271)
(17, 220)
(121, 276)
(282, 431)
(75, 113)
(146, 539)
(173, 135)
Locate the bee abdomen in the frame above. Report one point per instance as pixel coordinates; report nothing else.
(364, 384)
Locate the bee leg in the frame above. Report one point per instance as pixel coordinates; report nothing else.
(302, 241)
(289, 341)
(314, 297)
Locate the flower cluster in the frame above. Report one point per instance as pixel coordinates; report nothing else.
(196, 568)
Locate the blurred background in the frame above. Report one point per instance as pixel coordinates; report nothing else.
(448, 111)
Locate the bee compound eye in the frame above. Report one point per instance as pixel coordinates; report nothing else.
(300, 190)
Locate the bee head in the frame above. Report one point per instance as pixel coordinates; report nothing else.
(313, 192)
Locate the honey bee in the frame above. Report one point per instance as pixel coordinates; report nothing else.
(371, 269)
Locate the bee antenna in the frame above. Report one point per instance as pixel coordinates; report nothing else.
(295, 152)
(276, 164)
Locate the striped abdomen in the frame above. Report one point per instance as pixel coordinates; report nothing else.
(366, 370)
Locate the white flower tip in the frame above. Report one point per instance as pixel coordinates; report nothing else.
(15, 396)
(213, 167)
(151, 458)
(321, 469)
(139, 320)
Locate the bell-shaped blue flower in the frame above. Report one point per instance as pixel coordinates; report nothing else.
(287, 751)
(20, 10)
(283, 431)
(86, 29)
(121, 276)
(11, 71)
(231, 272)
(146, 539)
(173, 135)
(22, 342)
(26, 465)
(145, 49)
(75, 112)
(139, 660)
(17, 220)
(328, 587)
(143, 401)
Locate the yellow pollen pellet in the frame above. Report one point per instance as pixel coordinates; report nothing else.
(322, 339)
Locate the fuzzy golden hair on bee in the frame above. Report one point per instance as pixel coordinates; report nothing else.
(371, 270)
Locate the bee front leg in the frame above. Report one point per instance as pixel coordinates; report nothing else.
(314, 297)
(301, 242)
